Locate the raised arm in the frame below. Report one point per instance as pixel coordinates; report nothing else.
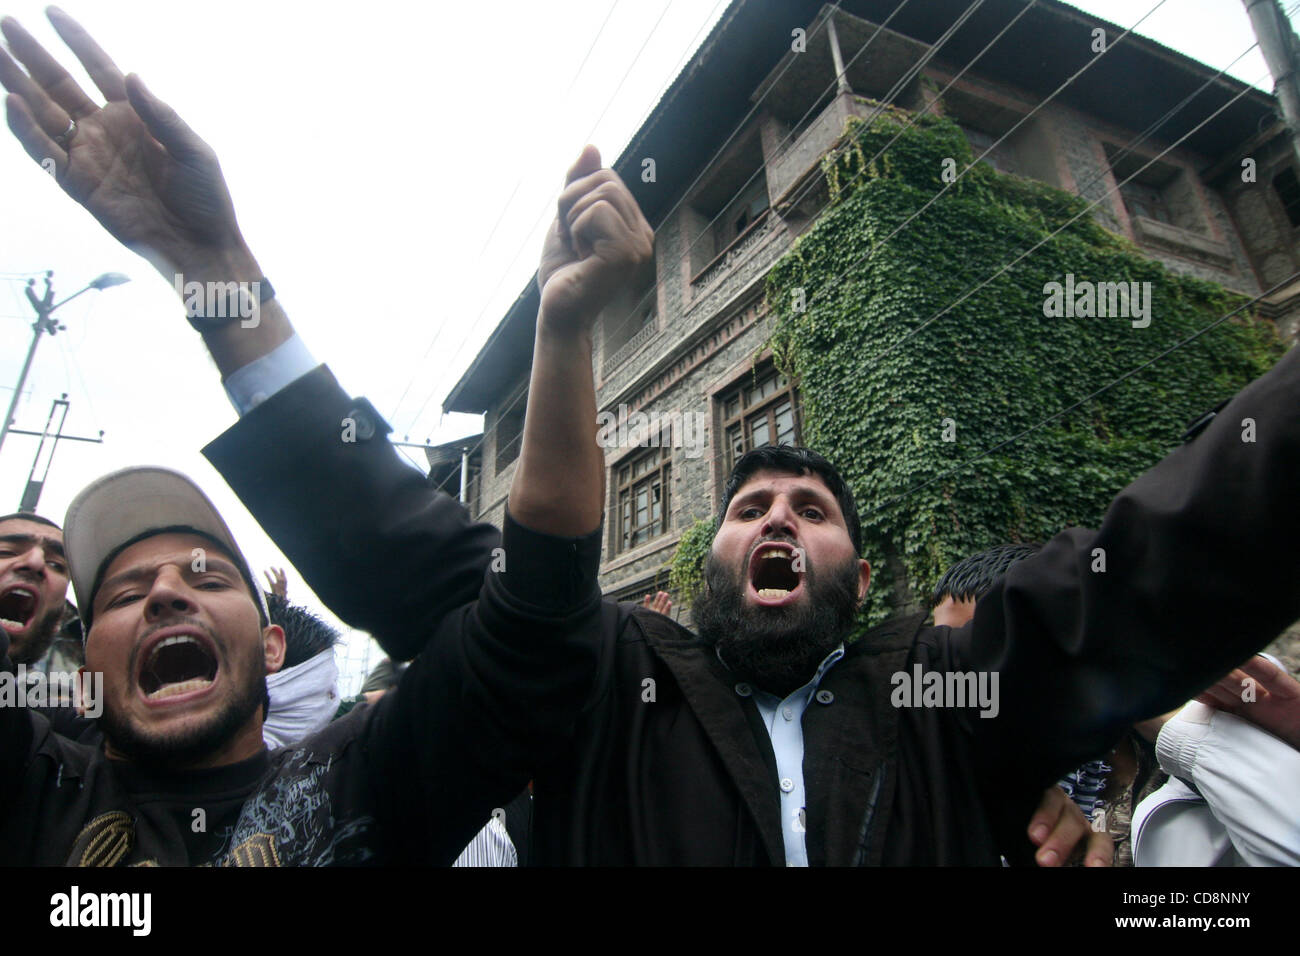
(135, 166)
(139, 169)
(498, 689)
(1194, 568)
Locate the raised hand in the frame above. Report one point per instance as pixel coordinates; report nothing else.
(597, 242)
(133, 163)
(659, 602)
(278, 582)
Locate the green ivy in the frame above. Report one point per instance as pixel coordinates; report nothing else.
(994, 364)
(686, 572)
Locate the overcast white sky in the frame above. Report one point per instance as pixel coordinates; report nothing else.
(393, 166)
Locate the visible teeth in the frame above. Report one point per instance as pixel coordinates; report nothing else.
(6, 623)
(176, 639)
(774, 553)
(171, 690)
(24, 592)
(772, 592)
(169, 641)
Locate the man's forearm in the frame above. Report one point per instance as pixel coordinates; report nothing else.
(558, 486)
(236, 343)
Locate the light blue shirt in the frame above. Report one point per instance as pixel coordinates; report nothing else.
(254, 383)
(784, 721)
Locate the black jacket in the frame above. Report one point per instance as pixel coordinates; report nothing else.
(1200, 571)
(408, 780)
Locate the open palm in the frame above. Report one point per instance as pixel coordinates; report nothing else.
(132, 163)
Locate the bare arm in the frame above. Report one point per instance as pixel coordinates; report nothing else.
(597, 241)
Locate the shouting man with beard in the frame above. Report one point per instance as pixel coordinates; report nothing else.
(769, 738)
(33, 584)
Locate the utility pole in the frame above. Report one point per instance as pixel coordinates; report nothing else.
(45, 323)
(32, 494)
(1281, 51)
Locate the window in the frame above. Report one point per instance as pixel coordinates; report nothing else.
(1288, 190)
(732, 200)
(1158, 191)
(980, 142)
(643, 496)
(761, 411)
(629, 314)
(1145, 201)
(744, 212)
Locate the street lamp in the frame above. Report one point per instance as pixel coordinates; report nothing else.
(45, 306)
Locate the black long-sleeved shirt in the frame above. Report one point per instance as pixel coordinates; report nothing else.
(1201, 568)
(409, 780)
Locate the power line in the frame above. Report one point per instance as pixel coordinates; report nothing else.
(894, 91)
(729, 138)
(925, 58)
(1024, 119)
(545, 209)
(1089, 397)
(734, 132)
(1006, 266)
(1087, 209)
(506, 206)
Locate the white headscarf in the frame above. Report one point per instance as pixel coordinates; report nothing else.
(304, 699)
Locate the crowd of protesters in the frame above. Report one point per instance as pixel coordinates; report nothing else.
(523, 719)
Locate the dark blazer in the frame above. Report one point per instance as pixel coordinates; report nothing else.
(1200, 570)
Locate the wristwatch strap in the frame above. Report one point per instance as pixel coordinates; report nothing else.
(228, 306)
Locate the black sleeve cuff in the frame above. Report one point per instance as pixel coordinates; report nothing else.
(545, 571)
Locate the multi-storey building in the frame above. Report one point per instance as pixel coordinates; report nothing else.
(727, 169)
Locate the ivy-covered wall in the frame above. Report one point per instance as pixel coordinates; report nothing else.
(894, 414)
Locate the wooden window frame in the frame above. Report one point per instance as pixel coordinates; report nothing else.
(745, 415)
(626, 483)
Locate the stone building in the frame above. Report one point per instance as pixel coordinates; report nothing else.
(727, 169)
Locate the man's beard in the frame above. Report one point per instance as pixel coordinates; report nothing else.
(776, 648)
(36, 643)
(172, 750)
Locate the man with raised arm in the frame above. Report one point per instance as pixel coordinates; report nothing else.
(668, 759)
(175, 620)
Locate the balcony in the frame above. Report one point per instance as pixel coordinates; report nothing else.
(802, 155)
(632, 345)
(759, 230)
(1181, 242)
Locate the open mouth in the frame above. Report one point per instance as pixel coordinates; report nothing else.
(179, 664)
(772, 573)
(17, 609)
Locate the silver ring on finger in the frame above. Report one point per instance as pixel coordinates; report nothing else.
(65, 138)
